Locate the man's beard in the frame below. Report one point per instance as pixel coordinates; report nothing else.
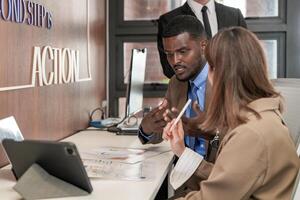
(182, 80)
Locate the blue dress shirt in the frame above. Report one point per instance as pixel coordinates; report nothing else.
(196, 92)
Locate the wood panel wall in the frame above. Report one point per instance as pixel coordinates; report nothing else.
(56, 111)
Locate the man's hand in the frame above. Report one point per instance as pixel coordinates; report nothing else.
(169, 115)
(190, 125)
(154, 121)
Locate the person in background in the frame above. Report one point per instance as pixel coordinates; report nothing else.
(256, 158)
(184, 41)
(214, 16)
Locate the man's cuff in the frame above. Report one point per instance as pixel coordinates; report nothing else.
(185, 167)
(143, 136)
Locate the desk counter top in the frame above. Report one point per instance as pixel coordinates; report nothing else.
(106, 189)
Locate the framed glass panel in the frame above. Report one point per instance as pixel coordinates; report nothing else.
(135, 10)
(254, 8)
(154, 72)
(270, 47)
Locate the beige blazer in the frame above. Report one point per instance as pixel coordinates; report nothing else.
(256, 160)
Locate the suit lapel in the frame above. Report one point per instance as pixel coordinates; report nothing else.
(184, 98)
(186, 10)
(220, 15)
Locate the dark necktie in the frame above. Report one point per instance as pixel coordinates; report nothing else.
(194, 97)
(196, 143)
(206, 21)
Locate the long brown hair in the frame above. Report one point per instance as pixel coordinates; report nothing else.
(240, 77)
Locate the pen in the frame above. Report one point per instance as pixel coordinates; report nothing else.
(180, 114)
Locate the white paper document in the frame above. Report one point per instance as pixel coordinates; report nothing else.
(107, 169)
(9, 129)
(120, 163)
(124, 155)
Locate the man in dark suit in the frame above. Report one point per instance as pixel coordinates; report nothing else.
(214, 17)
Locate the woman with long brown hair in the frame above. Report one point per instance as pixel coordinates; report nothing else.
(256, 157)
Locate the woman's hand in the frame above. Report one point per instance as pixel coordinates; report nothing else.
(175, 136)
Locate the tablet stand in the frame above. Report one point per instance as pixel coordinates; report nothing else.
(36, 183)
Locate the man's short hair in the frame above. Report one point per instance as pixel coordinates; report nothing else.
(184, 23)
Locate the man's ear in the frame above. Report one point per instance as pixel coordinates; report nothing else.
(203, 44)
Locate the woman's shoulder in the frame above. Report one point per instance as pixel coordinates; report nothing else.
(268, 131)
(267, 126)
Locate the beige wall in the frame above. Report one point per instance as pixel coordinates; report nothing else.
(56, 111)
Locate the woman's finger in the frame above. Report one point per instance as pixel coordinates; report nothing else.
(166, 132)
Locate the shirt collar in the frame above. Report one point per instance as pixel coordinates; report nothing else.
(197, 6)
(201, 77)
(210, 6)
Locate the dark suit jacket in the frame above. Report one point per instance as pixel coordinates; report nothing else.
(226, 17)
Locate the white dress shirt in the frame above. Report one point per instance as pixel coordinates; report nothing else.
(211, 13)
